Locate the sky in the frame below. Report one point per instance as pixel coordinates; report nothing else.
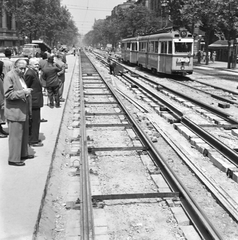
(84, 12)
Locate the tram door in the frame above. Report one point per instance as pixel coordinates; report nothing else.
(147, 55)
(159, 57)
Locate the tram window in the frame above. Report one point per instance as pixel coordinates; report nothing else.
(151, 47)
(134, 46)
(128, 46)
(122, 46)
(183, 47)
(142, 46)
(156, 46)
(170, 47)
(163, 47)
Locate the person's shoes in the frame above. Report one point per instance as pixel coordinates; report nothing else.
(58, 106)
(39, 144)
(43, 120)
(2, 135)
(38, 141)
(4, 132)
(27, 157)
(62, 100)
(17, 164)
(51, 106)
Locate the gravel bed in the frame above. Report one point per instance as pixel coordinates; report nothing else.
(222, 221)
(124, 172)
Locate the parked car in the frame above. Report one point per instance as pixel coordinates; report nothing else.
(31, 50)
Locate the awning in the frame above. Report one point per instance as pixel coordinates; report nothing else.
(221, 44)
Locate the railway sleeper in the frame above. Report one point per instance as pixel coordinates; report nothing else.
(232, 173)
(100, 198)
(73, 204)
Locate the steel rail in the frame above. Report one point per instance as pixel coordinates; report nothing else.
(86, 213)
(211, 94)
(217, 191)
(197, 216)
(197, 102)
(174, 109)
(207, 84)
(222, 148)
(231, 154)
(216, 143)
(202, 104)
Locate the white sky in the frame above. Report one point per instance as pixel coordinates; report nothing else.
(84, 12)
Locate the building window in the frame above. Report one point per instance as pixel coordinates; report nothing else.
(9, 21)
(0, 20)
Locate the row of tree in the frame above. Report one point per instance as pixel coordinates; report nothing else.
(42, 19)
(215, 17)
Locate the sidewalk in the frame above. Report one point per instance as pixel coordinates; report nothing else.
(221, 66)
(21, 188)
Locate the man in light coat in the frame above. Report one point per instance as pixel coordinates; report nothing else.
(7, 66)
(33, 81)
(17, 112)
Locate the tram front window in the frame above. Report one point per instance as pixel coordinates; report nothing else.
(183, 47)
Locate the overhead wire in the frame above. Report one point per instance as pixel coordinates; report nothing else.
(85, 15)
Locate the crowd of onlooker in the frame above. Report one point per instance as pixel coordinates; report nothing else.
(22, 86)
(202, 56)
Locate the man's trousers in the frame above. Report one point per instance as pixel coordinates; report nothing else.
(35, 126)
(18, 140)
(53, 94)
(61, 89)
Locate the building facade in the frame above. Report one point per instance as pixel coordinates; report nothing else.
(8, 34)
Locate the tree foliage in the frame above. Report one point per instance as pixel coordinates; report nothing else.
(126, 23)
(44, 19)
(214, 17)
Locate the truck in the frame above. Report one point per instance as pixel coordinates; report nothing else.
(35, 49)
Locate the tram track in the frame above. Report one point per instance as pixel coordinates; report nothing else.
(127, 188)
(219, 93)
(201, 222)
(224, 202)
(228, 123)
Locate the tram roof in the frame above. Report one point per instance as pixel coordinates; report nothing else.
(172, 34)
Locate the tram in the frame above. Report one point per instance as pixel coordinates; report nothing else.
(168, 52)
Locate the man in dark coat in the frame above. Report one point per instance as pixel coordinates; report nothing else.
(17, 111)
(32, 81)
(50, 74)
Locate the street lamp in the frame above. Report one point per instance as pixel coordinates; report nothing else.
(25, 39)
(235, 44)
